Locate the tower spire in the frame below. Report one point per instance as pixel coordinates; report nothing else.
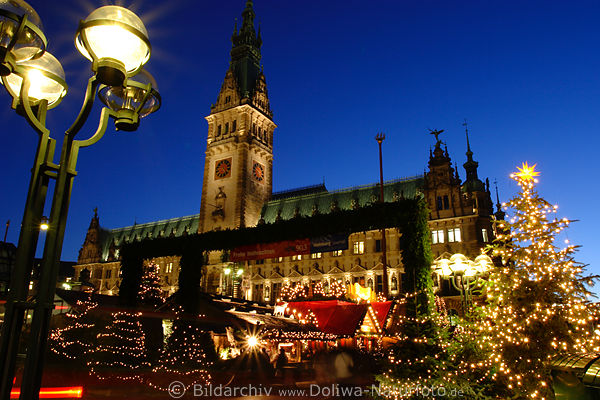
(499, 213)
(472, 182)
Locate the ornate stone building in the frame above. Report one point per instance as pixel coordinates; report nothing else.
(237, 192)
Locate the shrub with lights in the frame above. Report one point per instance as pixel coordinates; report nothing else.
(537, 299)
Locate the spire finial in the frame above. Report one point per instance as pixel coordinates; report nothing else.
(497, 196)
(467, 133)
(95, 211)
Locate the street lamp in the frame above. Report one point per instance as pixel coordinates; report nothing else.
(464, 274)
(116, 42)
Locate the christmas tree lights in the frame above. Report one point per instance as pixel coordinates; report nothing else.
(121, 350)
(184, 357)
(150, 289)
(78, 336)
(537, 298)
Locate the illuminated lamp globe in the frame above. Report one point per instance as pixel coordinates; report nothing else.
(443, 268)
(46, 78)
(136, 100)
(458, 263)
(15, 14)
(483, 263)
(116, 41)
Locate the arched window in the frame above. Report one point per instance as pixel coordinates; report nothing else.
(370, 283)
(394, 283)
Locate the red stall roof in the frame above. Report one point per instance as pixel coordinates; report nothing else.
(341, 317)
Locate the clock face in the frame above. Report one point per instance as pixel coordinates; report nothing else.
(258, 172)
(223, 168)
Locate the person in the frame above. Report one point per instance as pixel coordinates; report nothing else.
(280, 362)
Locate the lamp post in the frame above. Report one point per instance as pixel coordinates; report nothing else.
(379, 138)
(464, 274)
(116, 42)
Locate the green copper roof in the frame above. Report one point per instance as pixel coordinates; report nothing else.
(165, 228)
(344, 199)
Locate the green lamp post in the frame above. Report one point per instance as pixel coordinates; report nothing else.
(116, 42)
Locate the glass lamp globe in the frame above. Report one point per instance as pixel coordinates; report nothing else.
(484, 263)
(14, 14)
(46, 77)
(116, 41)
(136, 100)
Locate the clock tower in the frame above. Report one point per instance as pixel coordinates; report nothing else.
(239, 148)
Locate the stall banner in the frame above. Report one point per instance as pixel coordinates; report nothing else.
(329, 243)
(270, 250)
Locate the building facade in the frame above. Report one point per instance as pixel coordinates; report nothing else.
(237, 192)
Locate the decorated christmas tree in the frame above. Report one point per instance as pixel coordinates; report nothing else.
(121, 352)
(187, 354)
(431, 358)
(78, 335)
(150, 288)
(537, 299)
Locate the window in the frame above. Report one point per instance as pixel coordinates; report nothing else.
(234, 125)
(226, 128)
(394, 283)
(297, 257)
(336, 253)
(484, 235)
(359, 247)
(227, 99)
(108, 273)
(316, 255)
(377, 245)
(219, 130)
(443, 203)
(437, 237)
(454, 235)
(169, 268)
(370, 283)
(379, 283)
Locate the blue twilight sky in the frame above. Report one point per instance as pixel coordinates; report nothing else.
(526, 75)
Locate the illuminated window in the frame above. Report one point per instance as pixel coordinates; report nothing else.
(437, 237)
(336, 253)
(359, 247)
(297, 257)
(484, 235)
(315, 255)
(169, 268)
(454, 235)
